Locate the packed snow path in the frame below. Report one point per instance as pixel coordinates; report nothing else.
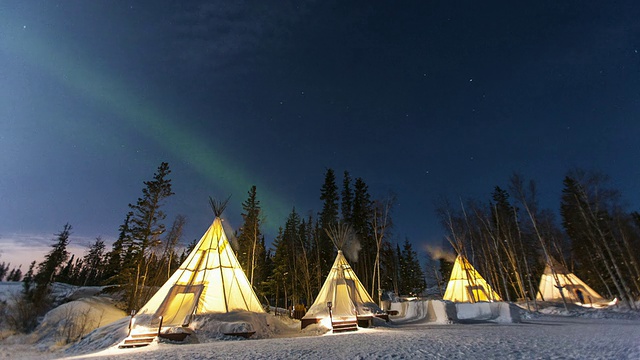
(547, 337)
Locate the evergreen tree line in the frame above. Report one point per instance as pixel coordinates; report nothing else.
(145, 254)
(295, 268)
(510, 238)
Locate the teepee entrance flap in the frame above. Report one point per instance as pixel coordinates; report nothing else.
(179, 304)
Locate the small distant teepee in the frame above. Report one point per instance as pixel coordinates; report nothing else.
(350, 302)
(210, 280)
(466, 284)
(574, 289)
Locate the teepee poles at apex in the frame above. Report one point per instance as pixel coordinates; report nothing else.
(340, 234)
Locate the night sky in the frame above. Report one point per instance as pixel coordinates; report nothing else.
(427, 99)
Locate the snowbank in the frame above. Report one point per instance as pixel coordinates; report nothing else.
(500, 312)
(69, 322)
(65, 324)
(445, 312)
(436, 311)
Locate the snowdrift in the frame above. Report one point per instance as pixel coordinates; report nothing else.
(500, 312)
(446, 312)
(69, 322)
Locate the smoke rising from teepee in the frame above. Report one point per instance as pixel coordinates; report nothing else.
(231, 236)
(352, 248)
(437, 253)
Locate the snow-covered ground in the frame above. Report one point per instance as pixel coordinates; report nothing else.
(553, 333)
(545, 337)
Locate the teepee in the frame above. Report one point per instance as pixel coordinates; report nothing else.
(210, 280)
(573, 288)
(466, 284)
(351, 304)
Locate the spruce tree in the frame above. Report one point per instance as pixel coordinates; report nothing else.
(347, 199)
(361, 221)
(411, 270)
(93, 263)
(66, 272)
(251, 250)
(53, 261)
(115, 257)
(28, 282)
(146, 225)
(293, 251)
(279, 282)
(327, 217)
(147, 214)
(267, 284)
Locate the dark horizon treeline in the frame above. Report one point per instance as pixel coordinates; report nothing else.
(145, 254)
(510, 239)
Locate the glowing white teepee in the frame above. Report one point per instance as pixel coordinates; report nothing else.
(349, 300)
(467, 285)
(210, 280)
(571, 286)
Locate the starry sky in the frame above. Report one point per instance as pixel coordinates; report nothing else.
(425, 99)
